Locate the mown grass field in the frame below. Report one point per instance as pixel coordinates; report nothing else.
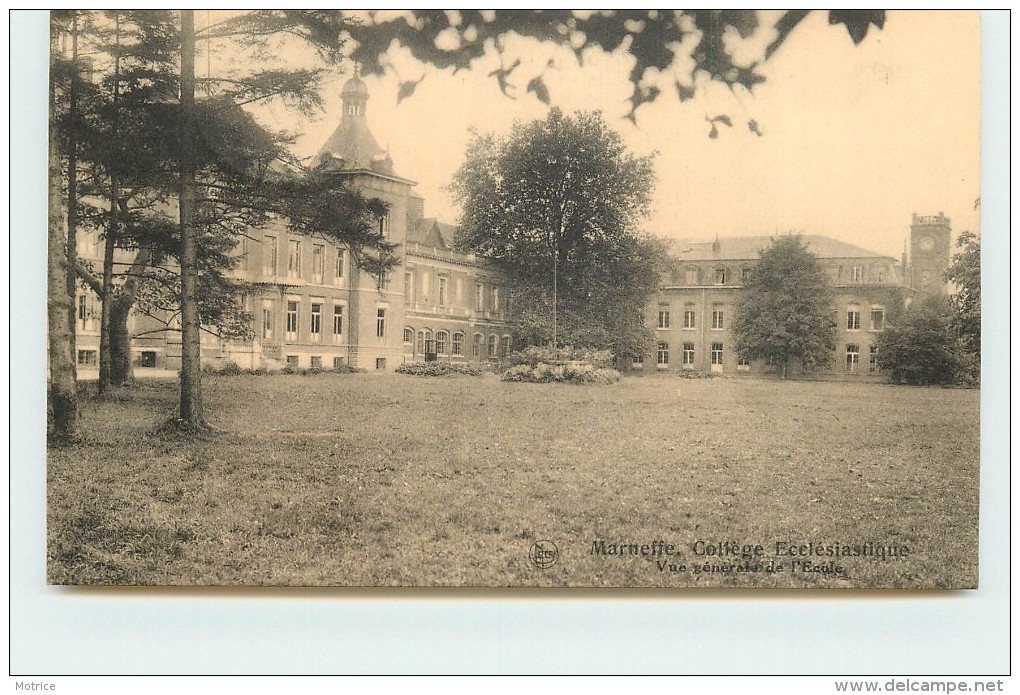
(380, 480)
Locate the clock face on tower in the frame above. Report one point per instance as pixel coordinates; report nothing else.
(927, 243)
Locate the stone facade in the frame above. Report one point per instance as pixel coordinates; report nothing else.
(693, 312)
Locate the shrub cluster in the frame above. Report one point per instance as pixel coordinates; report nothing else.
(572, 373)
(534, 355)
(695, 374)
(438, 369)
(229, 368)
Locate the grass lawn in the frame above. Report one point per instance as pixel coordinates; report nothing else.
(378, 480)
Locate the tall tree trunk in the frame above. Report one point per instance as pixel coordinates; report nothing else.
(63, 401)
(107, 298)
(191, 414)
(112, 231)
(120, 340)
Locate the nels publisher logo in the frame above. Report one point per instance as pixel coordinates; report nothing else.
(544, 554)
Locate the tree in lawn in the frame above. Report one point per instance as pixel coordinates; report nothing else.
(556, 206)
(922, 348)
(785, 308)
(965, 274)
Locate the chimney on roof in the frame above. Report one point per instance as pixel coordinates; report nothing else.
(716, 247)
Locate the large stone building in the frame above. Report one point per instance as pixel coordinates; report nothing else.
(313, 307)
(694, 310)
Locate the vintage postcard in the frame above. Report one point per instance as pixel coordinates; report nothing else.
(519, 299)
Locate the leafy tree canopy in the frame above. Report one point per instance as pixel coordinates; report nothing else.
(965, 273)
(785, 309)
(556, 204)
(922, 348)
(657, 40)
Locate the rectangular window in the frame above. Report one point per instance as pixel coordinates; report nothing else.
(441, 343)
(338, 322)
(717, 353)
(338, 266)
(853, 357)
(717, 319)
(268, 318)
(662, 355)
(292, 320)
(720, 276)
(877, 319)
(408, 336)
(689, 317)
(688, 354)
(88, 358)
(383, 284)
(857, 273)
(408, 287)
(269, 254)
(743, 364)
(458, 344)
(442, 291)
(745, 274)
(316, 325)
(380, 363)
(294, 260)
(663, 318)
(495, 299)
(425, 286)
(384, 226)
(691, 276)
(873, 359)
(318, 263)
(880, 275)
(338, 362)
(506, 346)
(380, 323)
(316, 362)
(479, 297)
(292, 360)
(853, 320)
(638, 361)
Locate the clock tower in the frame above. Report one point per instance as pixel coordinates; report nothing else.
(929, 253)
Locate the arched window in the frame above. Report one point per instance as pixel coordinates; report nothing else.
(442, 338)
(457, 347)
(493, 342)
(476, 345)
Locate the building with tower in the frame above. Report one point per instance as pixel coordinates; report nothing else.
(313, 307)
(693, 311)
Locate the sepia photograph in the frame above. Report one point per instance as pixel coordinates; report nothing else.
(517, 298)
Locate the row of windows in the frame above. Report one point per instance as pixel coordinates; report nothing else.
(690, 319)
(853, 354)
(295, 260)
(686, 355)
(853, 319)
(443, 294)
(720, 276)
(436, 344)
(315, 331)
(853, 358)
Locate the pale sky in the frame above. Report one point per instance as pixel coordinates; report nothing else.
(856, 138)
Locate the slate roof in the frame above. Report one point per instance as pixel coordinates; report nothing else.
(431, 232)
(748, 248)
